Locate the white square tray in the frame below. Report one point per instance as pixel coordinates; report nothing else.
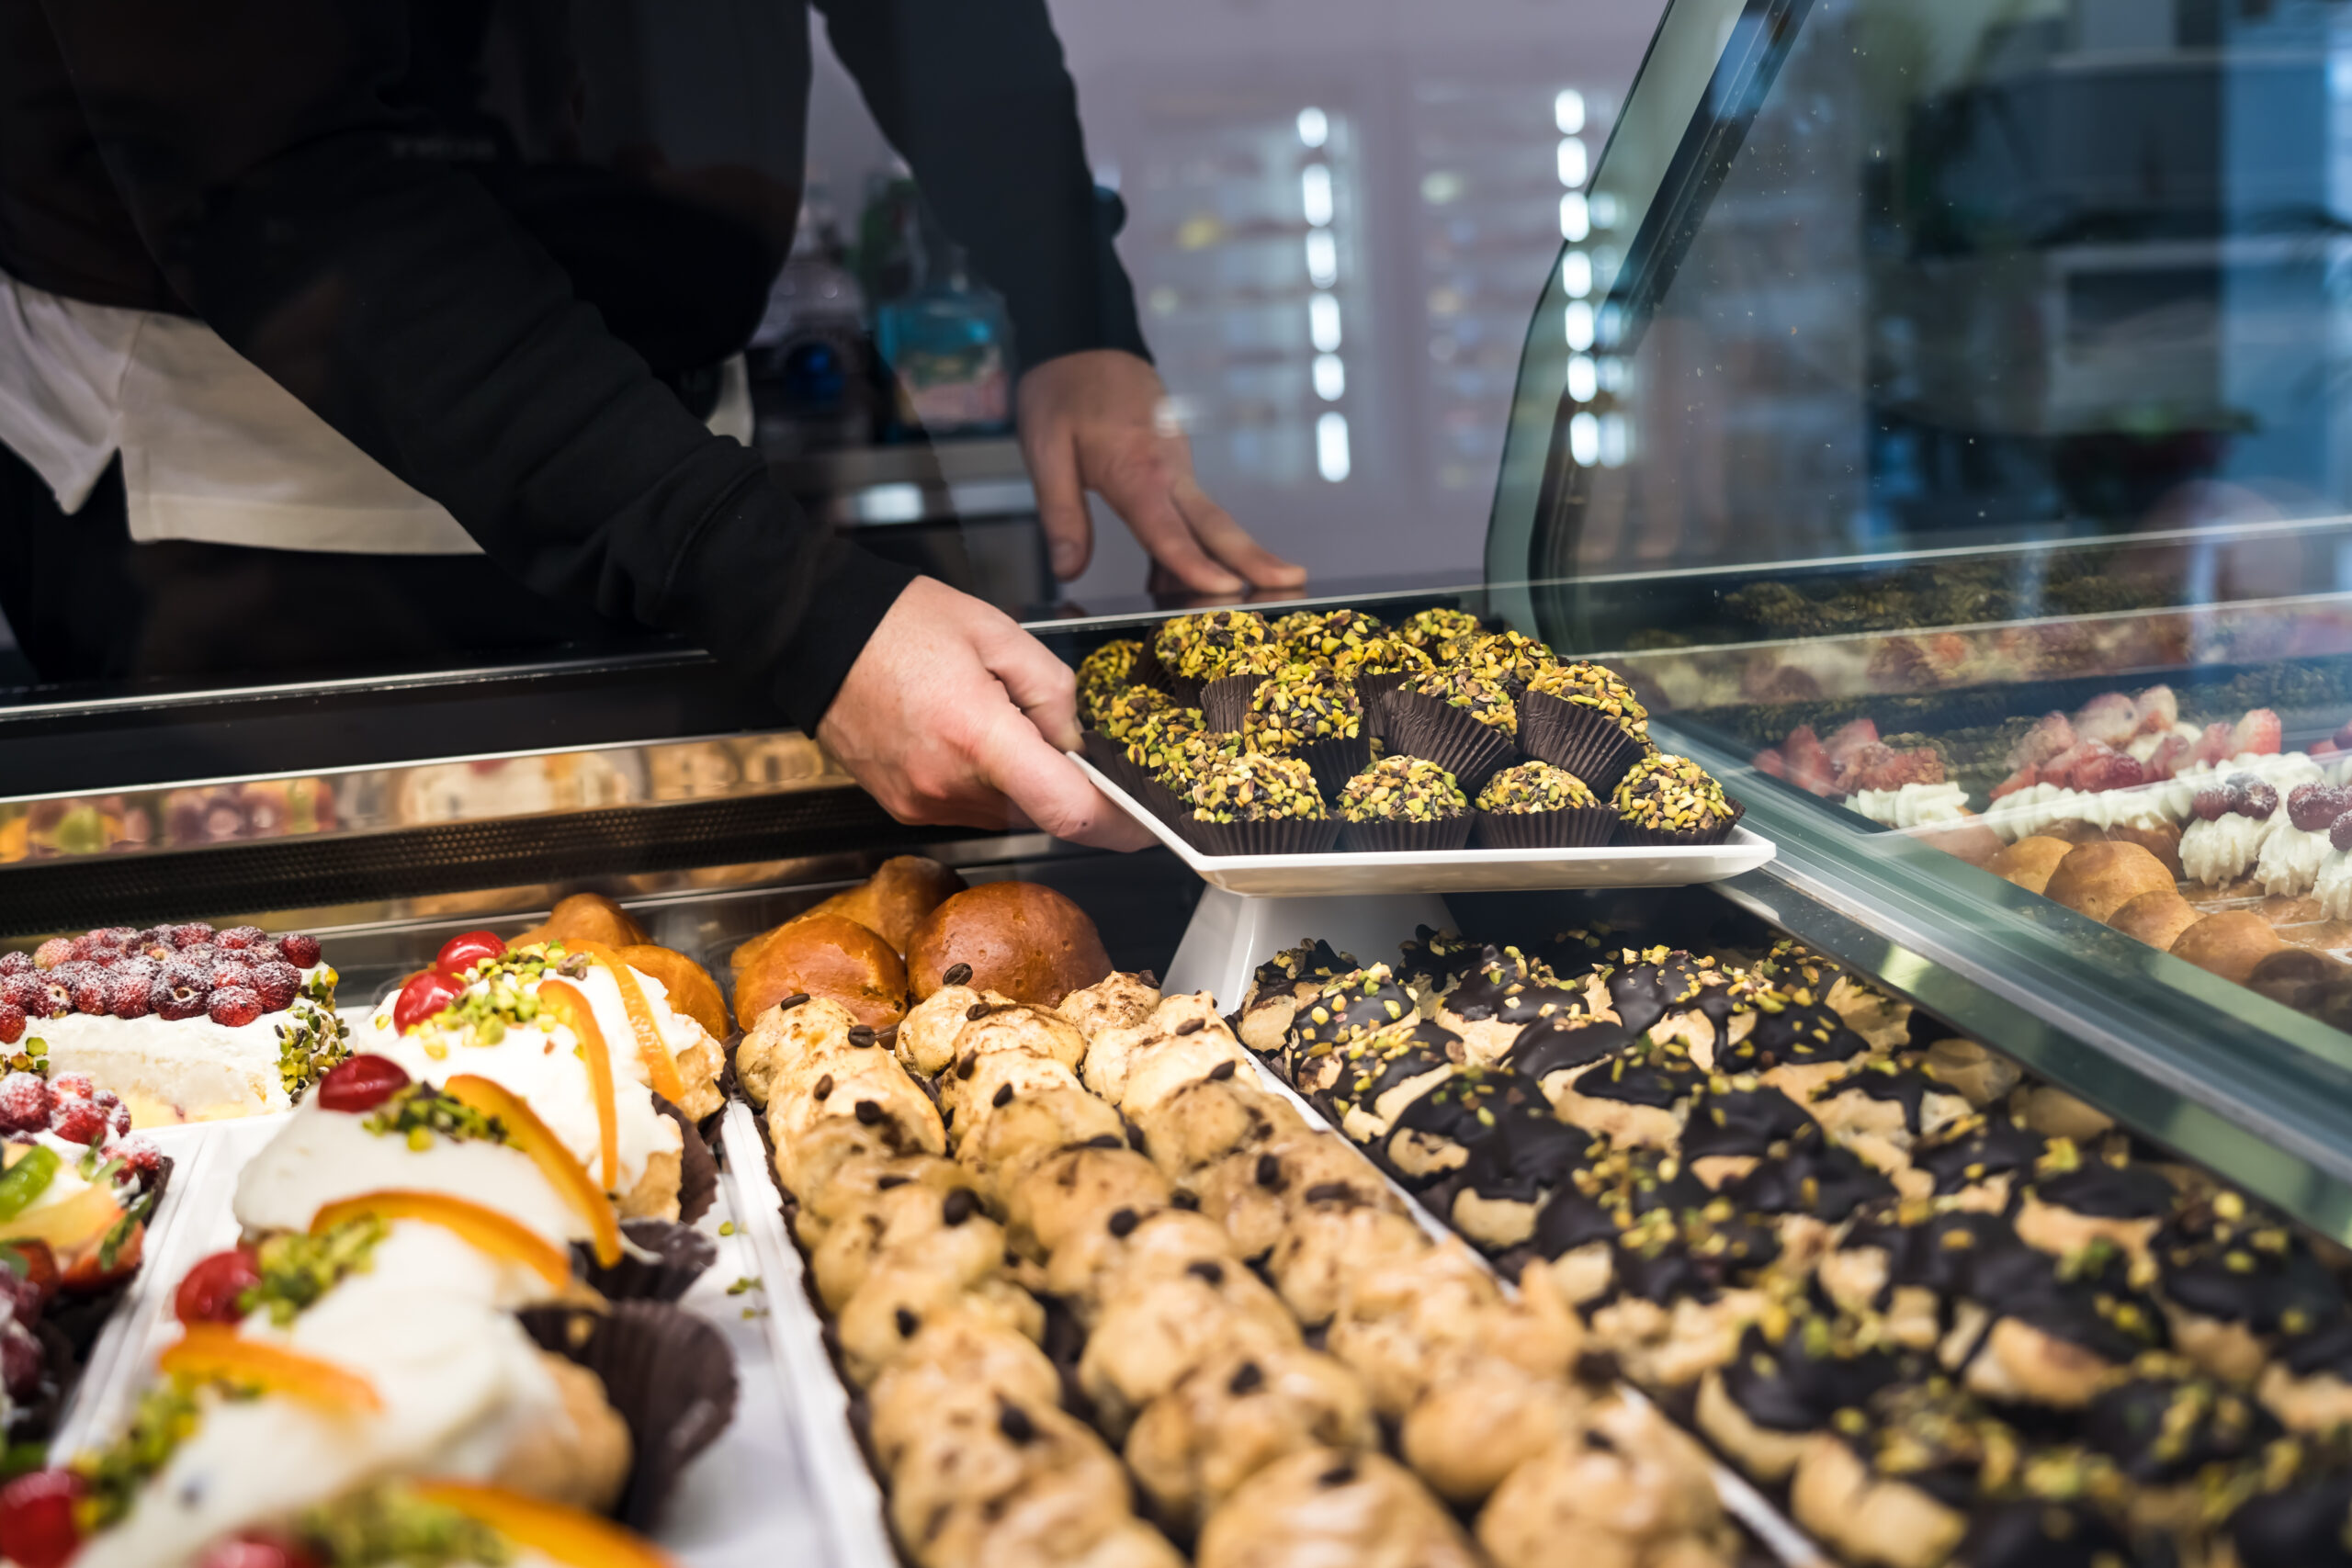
(1348, 873)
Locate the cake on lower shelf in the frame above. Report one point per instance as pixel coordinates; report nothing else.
(184, 1022)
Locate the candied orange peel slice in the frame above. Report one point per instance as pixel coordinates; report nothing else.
(211, 1351)
(567, 1535)
(564, 1172)
(571, 1008)
(486, 1229)
(652, 1050)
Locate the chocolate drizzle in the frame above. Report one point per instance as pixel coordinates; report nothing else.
(1978, 1149)
(2263, 1277)
(1564, 1041)
(1826, 1180)
(1810, 1374)
(2108, 1191)
(1349, 1008)
(1796, 1035)
(1506, 988)
(1470, 1109)
(2166, 1427)
(1312, 960)
(1739, 1116)
(2040, 1533)
(1370, 1068)
(1906, 1087)
(1658, 1075)
(2299, 1526)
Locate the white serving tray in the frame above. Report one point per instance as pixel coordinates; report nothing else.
(771, 1489)
(1348, 873)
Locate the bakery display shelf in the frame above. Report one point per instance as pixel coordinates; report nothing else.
(1361, 873)
(760, 1490)
(2231, 1079)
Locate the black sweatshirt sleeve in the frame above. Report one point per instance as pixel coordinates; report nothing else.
(315, 231)
(974, 96)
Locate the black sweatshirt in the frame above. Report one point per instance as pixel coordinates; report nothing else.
(266, 166)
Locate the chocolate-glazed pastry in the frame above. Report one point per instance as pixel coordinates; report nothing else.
(2167, 1426)
(1793, 1040)
(1881, 1110)
(1639, 1097)
(1809, 1191)
(1563, 1045)
(1903, 1261)
(1436, 1134)
(1386, 1071)
(1433, 961)
(2296, 1523)
(2234, 1280)
(1796, 1369)
(2077, 1197)
(1665, 989)
(1503, 1186)
(2039, 1532)
(1869, 1012)
(1978, 1163)
(1282, 985)
(1686, 1284)
(1892, 1484)
(2309, 1385)
(1576, 1229)
(1492, 1004)
(2036, 1330)
(1346, 1008)
(1736, 1122)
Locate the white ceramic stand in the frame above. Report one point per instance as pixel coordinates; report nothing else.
(1232, 933)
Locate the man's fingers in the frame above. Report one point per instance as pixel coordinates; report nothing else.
(1231, 543)
(1043, 687)
(1061, 502)
(1048, 787)
(1152, 511)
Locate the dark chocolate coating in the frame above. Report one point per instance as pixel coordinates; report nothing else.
(1653, 1076)
(1907, 1086)
(1471, 1108)
(1796, 1385)
(2039, 1534)
(1528, 1151)
(1797, 1035)
(2160, 1430)
(2324, 1349)
(1729, 1118)
(2303, 1524)
(1506, 988)
(2270, 1290)
(1373, 1065)
(1973, 1152)
(1939, 1253)
(1443, 956)
(1701, 1261)
(1665, 983)
(1312, 960)
(2109, 1192)
(1566, 1041)
(2088, 1310)
(1349, 1008)
(1826, 1180)
(1572, 1219)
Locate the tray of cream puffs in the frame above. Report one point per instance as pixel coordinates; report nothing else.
(1940, 1312)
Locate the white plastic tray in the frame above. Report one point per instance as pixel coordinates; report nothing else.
(770, 1490)
(1348, 874)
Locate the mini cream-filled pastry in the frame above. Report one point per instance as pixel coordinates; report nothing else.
(1333, 1506)
(1892, 1489)
(1626, 1489)
(1280, 986)
(2075, 1197)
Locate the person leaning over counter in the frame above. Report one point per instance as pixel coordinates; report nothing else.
(259, 302)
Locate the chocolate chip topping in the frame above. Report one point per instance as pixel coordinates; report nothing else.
(1248, 1377)
(958, 975)
(1122, 1222)
(824, 1087)
(1015, 1423)
(1206, 1269)
(1340, 1474)
(908, 1323)
(1329, 1193)
(869, 1112)
(959, 1205)
(1270, 1173)
(1002, 1097)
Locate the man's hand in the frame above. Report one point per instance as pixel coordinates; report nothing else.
(1095, 421)
(953, 715)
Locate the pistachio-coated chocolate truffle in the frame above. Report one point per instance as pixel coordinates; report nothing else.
(1321, 635)
(1104, 673)
(1598, 688)
(1432, 630)
(1534, 786)
(1151, 739)
(1129, 708)
(1483, 700)
(1671, 795)
(1254, 787)
(1386, 655)
(1505, 656)
(1182, 761)
(1193, 645)
(1299, 705)
(1402, 789)
(1250, 659)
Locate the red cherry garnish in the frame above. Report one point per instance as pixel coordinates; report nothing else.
(37, 1518)
(210, 1292)
(257, 1552)
(360, 1084)
(462, 951)
(424, 996)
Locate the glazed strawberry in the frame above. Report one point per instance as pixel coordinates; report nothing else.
(424, 996)
(2314, 807)
(2024, 778)
(57, 950)
(14, 963)
(235, 1006)
(2158, 710)
(299, 949)
(21, 1364)
(89, 986)
(28, 991)
(37, 1528)
(2214, 747)
(464, 950)
(360, 1084)
(181, 990)
(77, 1121)
(276, 983)
(2210, 804)
(2257, 732)
(2166, 759)
(130, 991)
(12, 1023)
(189, 935)
(209, 1293)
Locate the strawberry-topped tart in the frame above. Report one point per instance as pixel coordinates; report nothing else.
(569, 1028)
(185, 1022)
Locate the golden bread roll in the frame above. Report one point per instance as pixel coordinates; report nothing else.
(825, 956)
(2098, 879)
(2229, 944)
(692, 990)
(1018, 938)
(2157, 917)
(589, 915)
(893, 900)
(2027, 863)
(2162, 840)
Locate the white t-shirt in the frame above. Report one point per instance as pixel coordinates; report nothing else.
(212, 449)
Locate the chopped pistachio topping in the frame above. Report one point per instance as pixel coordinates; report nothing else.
(419, 1109)
(1256, 787)
(1598, 688)
(1251, 659)
(1192, 644)
(296, 1269)
(165, 1416)
(1534, 786)
(1130, 708)
(1149, 743)
(1483, 700)
(388, 1525)
(1299, 705)
(1505, 656)
(1321, 636)
(1103, 674)
(1182, 762)
(1385, 655)
(1402, 789)
(1433, 630)
(1671, 795)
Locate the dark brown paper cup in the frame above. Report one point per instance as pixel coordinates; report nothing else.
(1225, 702)
(1413, 837)
(1335, 762)
(1629, 834)
(668, 1374)
(1150, 672)
(1577, 739)
(697, 1167)
(1291, 836)
(1571, 828)
(1437, 731)
(679, 1256)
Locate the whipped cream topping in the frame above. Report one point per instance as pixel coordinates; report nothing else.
(2333, 886)
(1912, 805)
(322, 1157)
(2290, 858)
(2226, 848)
(191, 1069)
(540, 1062)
